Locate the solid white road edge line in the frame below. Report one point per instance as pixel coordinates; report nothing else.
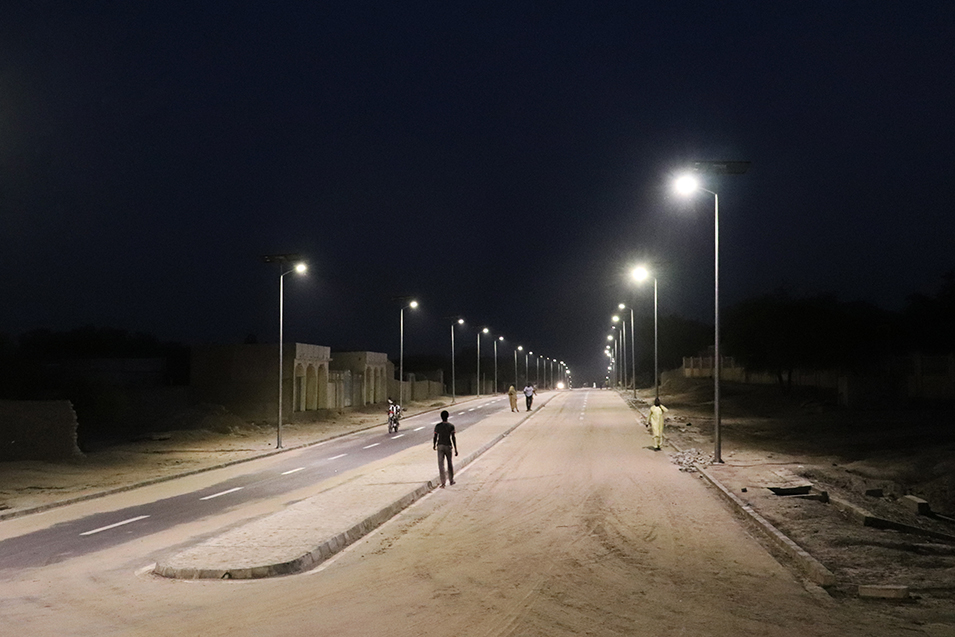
(216, 495)
(113, 526)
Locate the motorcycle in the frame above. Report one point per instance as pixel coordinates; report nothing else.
(394, 415)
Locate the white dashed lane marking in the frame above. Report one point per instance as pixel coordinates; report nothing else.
(341, 455)
(372, 445)
(216, 495)
(285, 473)
(113, 526)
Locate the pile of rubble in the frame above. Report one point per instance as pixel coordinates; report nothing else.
(688, 459)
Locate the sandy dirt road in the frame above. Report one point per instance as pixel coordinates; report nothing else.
(570, 526)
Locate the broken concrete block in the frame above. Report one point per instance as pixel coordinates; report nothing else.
(915, 504)
(788, 483)
(884, 592)
(822, 496)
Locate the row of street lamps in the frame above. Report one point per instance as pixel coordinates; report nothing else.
(639, 274)
(500, 339)
(289, 263)
(456, 322)
(685, 185)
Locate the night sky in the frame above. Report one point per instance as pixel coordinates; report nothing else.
(503, 161)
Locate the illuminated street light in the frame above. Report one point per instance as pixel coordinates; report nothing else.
(401, 356)
(484, 331)
(642, 274)
(519, 348)
(459, 321)
(499, 338)
(299, 267)
(687, 185)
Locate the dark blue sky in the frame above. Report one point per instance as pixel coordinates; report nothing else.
(502, 161)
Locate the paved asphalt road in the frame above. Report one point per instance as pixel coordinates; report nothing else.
(290, 473)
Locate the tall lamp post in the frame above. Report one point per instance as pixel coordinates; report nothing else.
(496, 387)
(641, 274)
(484, 331)
(401, 363)
(287, 263)
(623, 344)
(687, 185)
(633, 349)
(519, 348)
(460, 321)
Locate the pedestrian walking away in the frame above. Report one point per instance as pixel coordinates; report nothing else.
(443, 442)
(512, 396)
(529, 392)
(655, 423)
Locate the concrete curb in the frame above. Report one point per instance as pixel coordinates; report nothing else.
(326, 549)
(809, 566)
(17, 513)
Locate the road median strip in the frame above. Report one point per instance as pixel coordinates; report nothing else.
(307, 533)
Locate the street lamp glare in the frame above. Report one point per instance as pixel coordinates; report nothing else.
(520, 348)
(616, 319)
(460, 321)
(640, 273)
(621, 306)
(485, 330)
(301, 268)
(686, 184)
(413, 304)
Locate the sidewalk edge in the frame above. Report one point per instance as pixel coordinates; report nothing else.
(337, 543)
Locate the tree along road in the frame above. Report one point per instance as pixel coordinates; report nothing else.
(570, 526)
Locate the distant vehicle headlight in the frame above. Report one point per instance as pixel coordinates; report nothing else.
(560, 385)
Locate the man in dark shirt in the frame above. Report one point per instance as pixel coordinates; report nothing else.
(444, 441)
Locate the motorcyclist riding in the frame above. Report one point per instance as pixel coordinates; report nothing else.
(394, 415)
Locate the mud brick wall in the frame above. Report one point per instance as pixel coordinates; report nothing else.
(38, 430)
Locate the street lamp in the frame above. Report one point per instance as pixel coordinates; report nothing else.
(287, 263)
(687, 185)
(623, 346)
(401, 363)
(633, 349)
(496, 387)
(641, 274)
(484, 331)
(460, 321)
(519, 348)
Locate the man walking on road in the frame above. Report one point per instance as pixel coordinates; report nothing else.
(443, 442)
(655, 423)
(529, 392)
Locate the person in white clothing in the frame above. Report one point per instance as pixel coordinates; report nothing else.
(529, 392)
(655, 421)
